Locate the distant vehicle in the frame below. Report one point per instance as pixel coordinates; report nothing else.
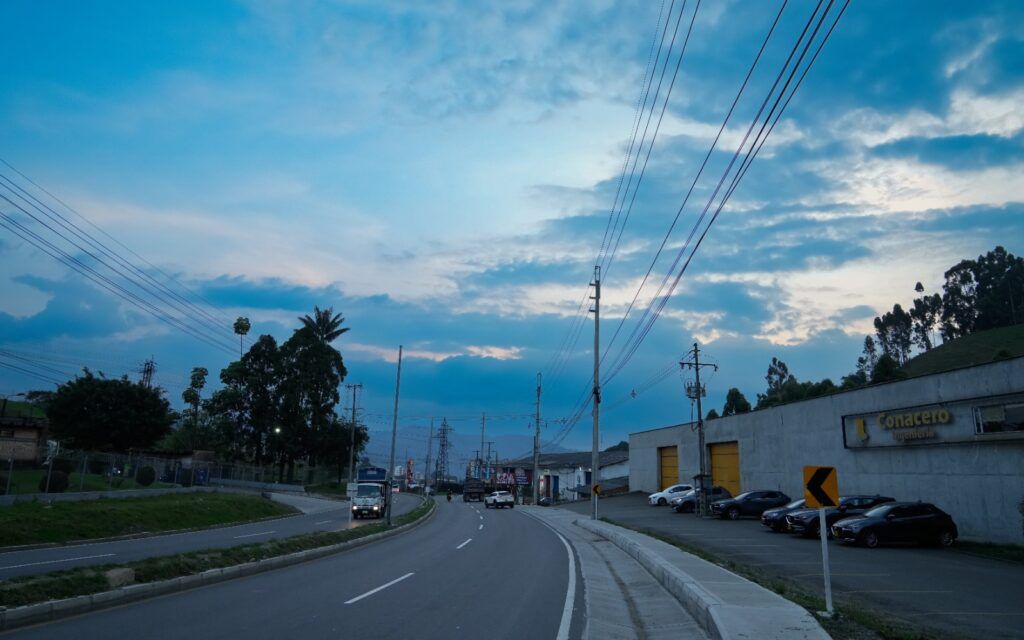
(661, 498)
(370, 500)
(899, 522)
(751, 503)
(775, 519)
(499, 499)
(806, 522)
(687, 503)
(473, 490)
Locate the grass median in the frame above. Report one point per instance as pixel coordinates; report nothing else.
(89, 580)
(853, 622)
(57, 522)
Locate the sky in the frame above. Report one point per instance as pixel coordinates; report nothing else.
(443, 174)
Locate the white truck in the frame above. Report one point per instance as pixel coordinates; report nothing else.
(371, 496)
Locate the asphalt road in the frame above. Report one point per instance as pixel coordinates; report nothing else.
(467, 573)
(321, 515)
(951, 593)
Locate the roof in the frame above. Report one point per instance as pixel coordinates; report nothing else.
(571, 459)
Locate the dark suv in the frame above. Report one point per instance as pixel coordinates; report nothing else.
(898, 522)
(751, 503)
(775, 519)
(806, 522)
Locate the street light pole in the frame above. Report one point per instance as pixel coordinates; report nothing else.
(394, 433)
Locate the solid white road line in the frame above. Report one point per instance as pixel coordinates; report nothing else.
(380, 588)
(468, 540)
(249, 535)
(32, 564)
(570, 591)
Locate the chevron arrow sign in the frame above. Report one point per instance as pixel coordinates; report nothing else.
(821, 487)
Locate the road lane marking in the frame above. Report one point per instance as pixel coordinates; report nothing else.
(32, 564)
(380, 588)
(481, 517)
(570, 590)
(321, 522)
(481, 528)
(468, 540)
(249, 535)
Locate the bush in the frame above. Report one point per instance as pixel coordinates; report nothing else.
(63, 465)
(98, 466)
(58, 482)
(146, 476)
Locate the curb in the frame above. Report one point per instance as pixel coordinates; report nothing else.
(57, 609)
(711, 613)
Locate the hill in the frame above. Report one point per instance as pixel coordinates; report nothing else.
(977, 348)
(19, 409)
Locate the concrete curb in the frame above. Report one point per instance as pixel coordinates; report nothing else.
(56, 609)
(772, 617)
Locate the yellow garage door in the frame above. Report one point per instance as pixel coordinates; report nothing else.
(725, 466)
(668, 465)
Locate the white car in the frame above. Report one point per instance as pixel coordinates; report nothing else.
(499, 499)
(662, 498)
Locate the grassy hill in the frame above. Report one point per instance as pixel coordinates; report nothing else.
(17, 408)
(977, 348)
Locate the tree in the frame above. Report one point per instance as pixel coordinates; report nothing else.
(924, 316)
(622, 446)
(324, 324)
(191, 395)
(241, 327)
(712, 415)
(262, 366)
(735, 403)
(93, 413)
(895, 333)
(886, 369)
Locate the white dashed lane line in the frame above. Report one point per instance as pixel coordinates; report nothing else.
(32, 564)
(380, 588)
(468, 540)
(250, 535)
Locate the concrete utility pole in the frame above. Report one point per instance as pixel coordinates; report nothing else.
(426, 465)
(483, 428)
(695, 392)
(394, 433)
(536, 447)
(595, 463)
(352, 445)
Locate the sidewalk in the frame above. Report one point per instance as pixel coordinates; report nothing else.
(623, 600)
(640, 587)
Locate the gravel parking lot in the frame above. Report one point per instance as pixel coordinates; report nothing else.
(952, 594)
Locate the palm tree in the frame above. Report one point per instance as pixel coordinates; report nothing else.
(325, 325)
(242, 327)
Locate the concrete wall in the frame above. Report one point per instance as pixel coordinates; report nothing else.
(617, 470)
(980, 482)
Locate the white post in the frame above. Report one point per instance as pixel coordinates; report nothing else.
(824, 561)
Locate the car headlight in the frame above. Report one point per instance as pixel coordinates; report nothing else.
(354, 507)
(375, 507)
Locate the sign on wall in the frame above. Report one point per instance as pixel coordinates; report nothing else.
(950, 422)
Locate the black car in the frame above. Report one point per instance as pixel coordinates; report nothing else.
(687, 503)
(775, 519)
(751, 503)
(919, 522)
(806, 522)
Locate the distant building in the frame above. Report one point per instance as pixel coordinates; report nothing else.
(23, 438)
(567, 476)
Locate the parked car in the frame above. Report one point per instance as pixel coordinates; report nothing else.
(775, 519)
(499, 499)
(919, 522)
(545, 502)
(806, 522)
(751, 503)
(687, 503)
(661, 498)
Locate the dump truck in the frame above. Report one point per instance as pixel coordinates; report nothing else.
(473, 489)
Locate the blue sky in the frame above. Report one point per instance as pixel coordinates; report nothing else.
(441, 173)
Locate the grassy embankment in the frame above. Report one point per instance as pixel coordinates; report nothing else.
(27, 481)
(37, 522)
(89, 580)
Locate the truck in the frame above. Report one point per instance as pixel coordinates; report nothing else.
(473, 489)
(372, 493)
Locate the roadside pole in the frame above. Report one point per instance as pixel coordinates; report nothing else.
(535, 488)
(10, 474)
(595, 465)
(394, 433)
(821, 490)
(426, 463)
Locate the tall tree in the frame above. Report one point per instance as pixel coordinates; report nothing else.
(94, 413)
(192, 395)
(895, 333)
(241, 327)
(924, 316)
(735, 403)
(324, 324)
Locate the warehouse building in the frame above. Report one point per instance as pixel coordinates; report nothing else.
(955, 439)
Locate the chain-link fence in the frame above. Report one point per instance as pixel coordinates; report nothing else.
(53, 469)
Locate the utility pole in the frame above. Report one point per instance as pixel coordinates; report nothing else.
(487, 459)
(536, 447)
(696, 392)
(483, 428)
(394, 433)
(595, 463)
(352, 444)
(426, 464)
